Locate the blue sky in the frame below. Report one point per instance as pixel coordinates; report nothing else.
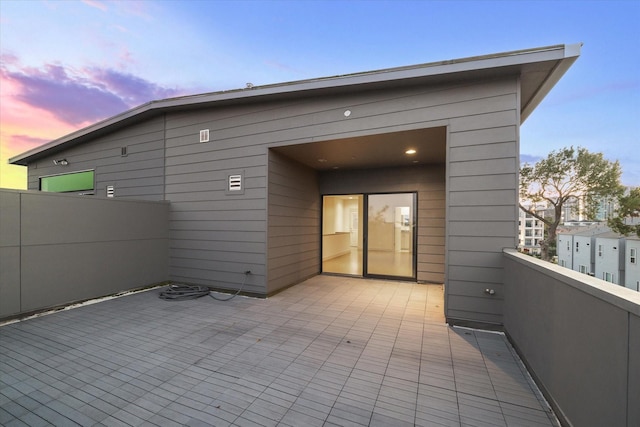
(71, 63)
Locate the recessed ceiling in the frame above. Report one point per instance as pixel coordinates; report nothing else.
(374, 151)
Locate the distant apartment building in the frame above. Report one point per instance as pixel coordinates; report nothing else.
(631, 263)
(602, 253)
(530, 231)
(575, 245)
(609, 257)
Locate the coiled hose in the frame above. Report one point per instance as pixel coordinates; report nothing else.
(179, 292)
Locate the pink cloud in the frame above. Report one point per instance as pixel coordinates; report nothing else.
(21, 143)
(38, 105)
(79, 97)
(130, 89)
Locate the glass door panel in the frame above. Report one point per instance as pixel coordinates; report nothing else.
(342, 234)
(390, 235)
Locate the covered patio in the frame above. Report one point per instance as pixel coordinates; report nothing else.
(329, 351)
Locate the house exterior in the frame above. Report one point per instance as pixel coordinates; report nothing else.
(609, 257)
(412, 172)
(631, 263)
(583, 251)
(564, 248)
(576, 245)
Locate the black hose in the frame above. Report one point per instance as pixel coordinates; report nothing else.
(183, 292)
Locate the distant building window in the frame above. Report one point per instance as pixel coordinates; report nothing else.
(74, 182)
(568, 245)
(529, 223)
(583, 269)
(577, 247)
(563, 263)
(600, 251)
(632, 256)
(527, 242)
(608, 277)
(528, 233)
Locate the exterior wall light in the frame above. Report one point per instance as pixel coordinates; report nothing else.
(61, 162)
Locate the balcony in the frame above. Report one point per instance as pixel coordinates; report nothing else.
(329, 351)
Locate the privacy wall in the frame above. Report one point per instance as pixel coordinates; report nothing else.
(580, 339)
(56, 249)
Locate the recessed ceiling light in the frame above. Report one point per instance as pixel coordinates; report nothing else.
(322, 160)
(410, 151)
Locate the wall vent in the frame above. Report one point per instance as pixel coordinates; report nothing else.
(123, 151)
(111, 191)
(204, 135)
(235, 183)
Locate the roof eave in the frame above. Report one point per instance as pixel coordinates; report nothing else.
(564, 54)
(571, 54)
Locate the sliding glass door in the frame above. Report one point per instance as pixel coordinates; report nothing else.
(390, 235)
(342, 234)
(376, 241)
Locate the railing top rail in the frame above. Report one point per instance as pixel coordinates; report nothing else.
(617, 295)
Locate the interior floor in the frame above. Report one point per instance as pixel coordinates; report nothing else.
(385, 263)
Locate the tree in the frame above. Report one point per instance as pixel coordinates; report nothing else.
(563, 176)
(629, 207)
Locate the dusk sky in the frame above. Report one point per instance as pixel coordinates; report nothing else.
(67, 64)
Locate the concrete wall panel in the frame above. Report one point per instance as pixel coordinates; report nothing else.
(633, 396)
(576, 334)
(71, 248)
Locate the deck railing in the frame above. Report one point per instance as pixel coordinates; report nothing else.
(579, 337)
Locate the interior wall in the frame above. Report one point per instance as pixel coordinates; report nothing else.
(293, 225)
(428, 182)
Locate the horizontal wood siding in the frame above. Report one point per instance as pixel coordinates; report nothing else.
(482, 179)
(428, 182)
(216, 235)
(138, 175)
(466, 207)
(293, 250)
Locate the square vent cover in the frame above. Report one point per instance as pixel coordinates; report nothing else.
(204, 135)
(235, 182)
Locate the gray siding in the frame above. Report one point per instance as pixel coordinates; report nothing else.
(482, 215)
(216, 236)
(293, 252)
(428, 182)
(56, 249)
(138, 175)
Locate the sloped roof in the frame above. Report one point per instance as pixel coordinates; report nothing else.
(539, 70)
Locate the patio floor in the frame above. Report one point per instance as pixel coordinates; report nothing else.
(329, 351)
